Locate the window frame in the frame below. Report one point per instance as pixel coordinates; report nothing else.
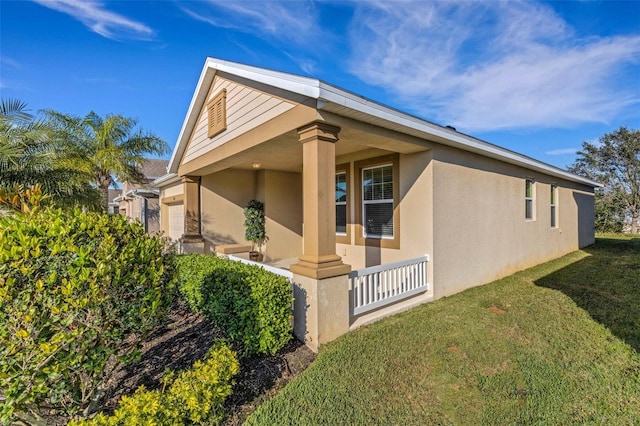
(361, 238)
(529, 200)
(553, 205)
(345, 238)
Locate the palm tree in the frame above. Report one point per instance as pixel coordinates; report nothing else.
(30, 154)
(111, 148)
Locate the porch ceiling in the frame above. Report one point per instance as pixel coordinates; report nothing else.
(285, 151)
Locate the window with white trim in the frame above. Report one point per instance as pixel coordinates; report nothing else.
(341, 203)
(528, 199)
(377, 201)
(553, 205)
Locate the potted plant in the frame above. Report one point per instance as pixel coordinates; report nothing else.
(254, 223)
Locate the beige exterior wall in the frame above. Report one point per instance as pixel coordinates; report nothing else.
(481, 233)
(223, 197)
(247, 108)
(282, 192)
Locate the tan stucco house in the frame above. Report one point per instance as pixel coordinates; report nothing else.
(371, 210)
(139, 200)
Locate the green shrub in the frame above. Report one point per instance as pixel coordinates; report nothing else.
(192, 271)
(74, 288)
(195, 397)
(251, 305)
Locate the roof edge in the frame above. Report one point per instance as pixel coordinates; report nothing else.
(327, 94)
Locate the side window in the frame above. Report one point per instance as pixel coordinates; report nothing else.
(553, 205)
(376, 192)
(377, 201)
(528, 199)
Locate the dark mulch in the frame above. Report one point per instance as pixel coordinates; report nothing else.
(186, 338)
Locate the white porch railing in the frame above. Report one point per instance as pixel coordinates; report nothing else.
(383, 285)
(274, 269)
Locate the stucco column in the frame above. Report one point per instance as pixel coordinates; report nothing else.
(319, 259)
(191, 209)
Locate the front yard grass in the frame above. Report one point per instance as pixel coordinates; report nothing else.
(555, 344)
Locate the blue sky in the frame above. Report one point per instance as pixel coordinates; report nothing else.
(535, 77)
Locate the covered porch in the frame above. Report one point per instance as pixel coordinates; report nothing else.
(312, 180)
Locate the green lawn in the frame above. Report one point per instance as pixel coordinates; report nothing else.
(522, 350)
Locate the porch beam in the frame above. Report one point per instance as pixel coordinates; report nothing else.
(319, 259)
(192, 233)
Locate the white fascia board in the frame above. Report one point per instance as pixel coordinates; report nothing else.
(327, 94)
(140, 191)
(296, 84)
(293, 83)
(165, 180)
(206, 77)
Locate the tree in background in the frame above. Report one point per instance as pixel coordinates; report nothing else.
(110, 148)
(615, 162)
(31, 153)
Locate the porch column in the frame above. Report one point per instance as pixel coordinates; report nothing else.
(192, 241)
(321, 289)
(319, 259)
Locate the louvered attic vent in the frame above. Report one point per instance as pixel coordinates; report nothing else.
(217, 111)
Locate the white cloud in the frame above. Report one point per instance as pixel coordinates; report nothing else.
(562, 151)
(294, 21)
(6, 61)
(99, 20)
(491, 65)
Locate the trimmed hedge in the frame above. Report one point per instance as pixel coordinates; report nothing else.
(194, 397)
(251, 305)
(74, 287)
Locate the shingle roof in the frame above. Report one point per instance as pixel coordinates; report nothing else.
(113, 193)
(154, 168)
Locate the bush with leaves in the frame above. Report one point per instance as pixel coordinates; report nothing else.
(252, 306)
(194, 397)
(254, 223)
(76, 291)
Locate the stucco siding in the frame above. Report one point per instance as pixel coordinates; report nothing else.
(480, 230)
(223, 198)
(247, 108)
(282, 195)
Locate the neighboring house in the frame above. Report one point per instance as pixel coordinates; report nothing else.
(347, 184)
(114, 206)
(139, 201)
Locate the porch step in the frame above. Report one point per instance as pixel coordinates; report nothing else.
(232, 248)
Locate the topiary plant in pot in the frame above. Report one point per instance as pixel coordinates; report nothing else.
(254, 223)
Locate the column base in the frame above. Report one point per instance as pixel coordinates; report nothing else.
(320, 267)
(321, 309)
(192, 244)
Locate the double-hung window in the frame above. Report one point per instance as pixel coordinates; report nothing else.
(377, 194)
(553, 205)
(528, 199)
(377, 201)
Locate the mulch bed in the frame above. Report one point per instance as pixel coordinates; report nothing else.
(186, 338)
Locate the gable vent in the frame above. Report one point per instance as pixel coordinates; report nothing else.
(217, 112)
